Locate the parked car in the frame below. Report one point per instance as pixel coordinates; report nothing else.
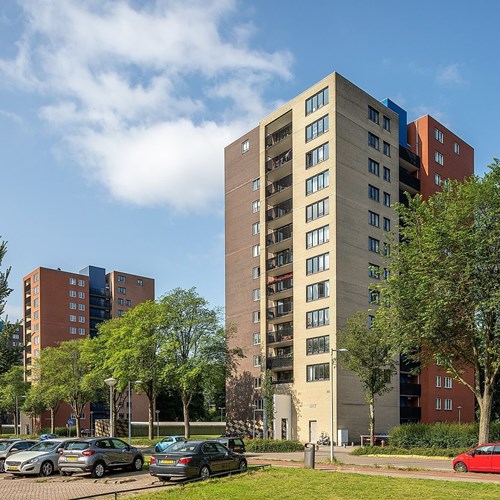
(190, 459)
(166, 442)
(44, 437)
(483, 458)
(97, 455)
(40, 459)
(10, 446)
(233, 443)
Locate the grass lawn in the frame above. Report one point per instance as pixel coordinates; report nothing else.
(283, 483)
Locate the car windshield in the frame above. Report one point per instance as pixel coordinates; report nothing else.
(5, 444)
(45, 446)
(182, 447)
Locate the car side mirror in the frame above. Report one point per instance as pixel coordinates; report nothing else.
(472, 453)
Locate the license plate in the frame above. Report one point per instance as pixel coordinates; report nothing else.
(71, 459)
(167, 461)
(13, 467)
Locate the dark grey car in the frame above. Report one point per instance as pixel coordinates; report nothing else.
(97, 455)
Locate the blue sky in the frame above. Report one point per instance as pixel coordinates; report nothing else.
(114, 114)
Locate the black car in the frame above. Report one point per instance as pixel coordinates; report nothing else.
(190, 459)
(233, 443)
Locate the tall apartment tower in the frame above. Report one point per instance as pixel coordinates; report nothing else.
(309, 195)
(61, 306)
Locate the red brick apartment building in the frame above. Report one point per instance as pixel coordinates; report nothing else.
(61, 306)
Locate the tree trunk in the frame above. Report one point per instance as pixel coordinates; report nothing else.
(77, 422)
(52, 421)
(185, 411)
(372, 421)
(485, 416)
(16, 423)
(151, 418)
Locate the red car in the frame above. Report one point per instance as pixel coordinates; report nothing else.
(483, 458)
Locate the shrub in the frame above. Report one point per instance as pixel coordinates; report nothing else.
(393, 450)
(271, 445)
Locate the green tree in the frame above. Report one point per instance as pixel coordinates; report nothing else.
(5, 290)
(268, 401)
(13, 390)
(369, 355)
(443, 296)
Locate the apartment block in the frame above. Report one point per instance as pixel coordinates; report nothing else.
(309, 202)
(61, 306)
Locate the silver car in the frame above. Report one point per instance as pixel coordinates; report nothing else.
(40, 459)
(10, 446)
(97, 455)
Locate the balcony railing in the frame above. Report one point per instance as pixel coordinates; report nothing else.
(408, 156)
(283, 335)
(278, 160)
(278, 186)
(279, 210)
(279, 362)
(100, 292)
(410, 413)
(281, 234)
(410, 390)
(279, 135)
(279, 260)
(408, 180)
(280, 286)
(284, 377)
(283, 309)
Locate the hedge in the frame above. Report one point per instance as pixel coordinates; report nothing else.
(423, 452)
(271, 445)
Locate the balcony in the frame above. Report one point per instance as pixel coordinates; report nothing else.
(279, 261)
(409, 160)
(279, 191)
(408, 182)
(99, 292)
(281, 336)
(410, 414)
(279, 214)
(97, 301)
(284, 377)
(414, 390)
(280, 239)
(407, 366)
(280, 135)
(282, 309)
(280, 284)
(277, 362)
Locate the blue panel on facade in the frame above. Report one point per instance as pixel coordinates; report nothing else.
(403, 120)
(97, 276)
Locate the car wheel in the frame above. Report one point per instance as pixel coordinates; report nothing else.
(243, 465)
(98, 470)
(205, 472)
(46, 469)
(164, 478)
(2, 464)
(460, 467)
(137, 464)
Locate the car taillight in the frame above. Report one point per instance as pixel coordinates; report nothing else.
(153, 460)
(60, 452)
(184, 460)
(88, 453)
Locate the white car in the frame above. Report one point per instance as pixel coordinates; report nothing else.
(40, 459)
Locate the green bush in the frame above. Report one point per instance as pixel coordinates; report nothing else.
(393, 450)
(271, 445)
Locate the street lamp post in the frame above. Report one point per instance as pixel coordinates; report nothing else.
(158, 423)
(111, 382)
(91, 422)
(459, 408)
(221, 408)
(17, 416)
(333, 356)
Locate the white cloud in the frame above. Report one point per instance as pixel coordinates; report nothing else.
(11, 116)
(146, 97)
(449, 75)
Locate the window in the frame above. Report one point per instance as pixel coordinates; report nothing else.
(373, 219)
(438, 157)
(256, 316)
(72, 281)
(373, 141)
(36, 340)
(438, 380)
(448, 404)
(437, 179)
(121, 278)
(317, 236)
(81, 307)
(120, 301)
(318, 345)
(373, 167)
(319, 317)
(81, 331)
(36, 277)
(387, 174)
(317, 291)
(373, 193)
(256, 228)
(387, 199)
(387, 273)
(386, 123)
(128, 303)
(72, 317)
(317, 128)
(256, 360)
(81, 295)
(456, 148)
(36, 289)
(317, 182)
(387, 224)
(122, 290)
(386, 149)
(387, 250)
(72, 305)
(318, 263)
(81, 319)
(37, 327)
(438, 403)
(257, 382)
(72, 293)
(438, 135)
(373, 115)
(373, 271)
(256, 272)
(256, 294)
(373, 296)
(317, 101)
(256, 184)
(81, 283)
(317, 155)
(373, 244)
(317, 210)
(245, 146)
(120, 313)
(140, 282)
(318, 372)
(256, 338)
(72, 330)
(36, 302)
(255, 206)
(256, 250)
(448, 383)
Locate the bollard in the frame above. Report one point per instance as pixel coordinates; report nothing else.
(309, 455)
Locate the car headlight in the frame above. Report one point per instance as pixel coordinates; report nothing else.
(33, 460)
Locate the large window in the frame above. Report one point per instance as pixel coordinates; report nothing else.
(318, 263)
(373, 193)
(317, 182)
(373, 141)
(317, 210)
(317, 236)
(318, 372)
(318, 345)
(317, 101)
(319, 317)
(373, 167)
(317, 155)
(317, 128)
(318, 291)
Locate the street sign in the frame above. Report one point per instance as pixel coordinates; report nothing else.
(71, 421)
